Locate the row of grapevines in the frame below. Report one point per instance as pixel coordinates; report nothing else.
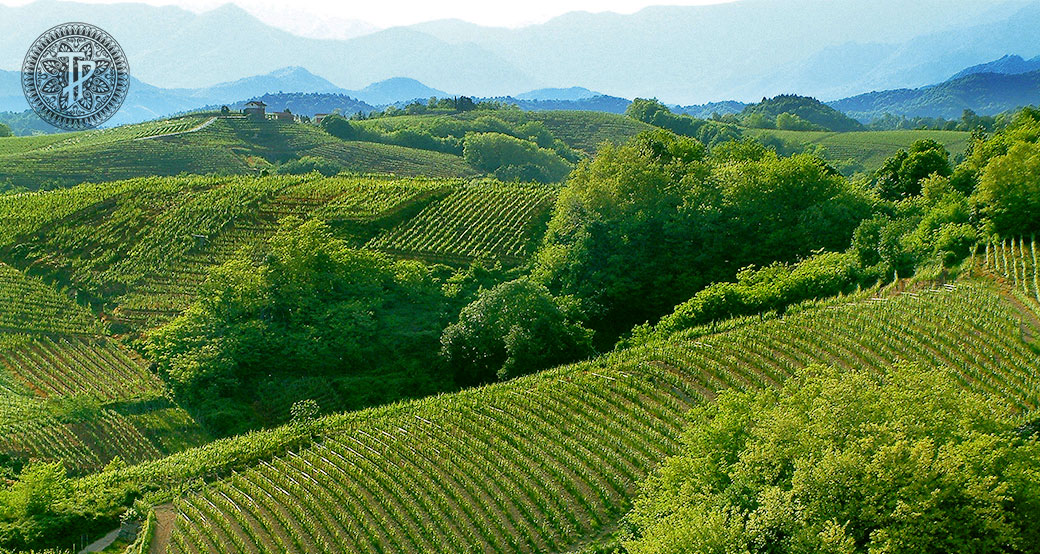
(481, 220)
(534, 464)
(1017, 261)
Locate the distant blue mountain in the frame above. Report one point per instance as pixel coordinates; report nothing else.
(983, 93)
(571, 93)
(1007, 65)
(397, 89)
(601, 103)
(286, 87)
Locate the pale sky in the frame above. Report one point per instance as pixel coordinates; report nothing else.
(389, 13)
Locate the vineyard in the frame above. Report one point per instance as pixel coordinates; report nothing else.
(138, 250)
(536, 463)
(1017, 262)
(27, 304)
(67, 366)
(868, 148)
(84, 401)
(478, 221)
(223, 146)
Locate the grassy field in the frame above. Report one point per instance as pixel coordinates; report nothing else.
(868, 149)
(201, 144)
(543, 462)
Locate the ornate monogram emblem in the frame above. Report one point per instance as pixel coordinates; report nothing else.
(75, 76)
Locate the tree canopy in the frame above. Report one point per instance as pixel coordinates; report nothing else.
(846, 462)
(645, 225)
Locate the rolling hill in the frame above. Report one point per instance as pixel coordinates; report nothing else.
(70, 393)
(201, 143)
(550, 461)
(866, 150)
(124, 257)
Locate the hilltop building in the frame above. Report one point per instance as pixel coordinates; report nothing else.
(255, 107)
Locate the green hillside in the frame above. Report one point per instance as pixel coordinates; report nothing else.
(71, 394)
(138, 249)
(544, 462)
(490, 221)
(580, 130)
(866, 149)
(792, 112)
(272, 359)
(200, 144)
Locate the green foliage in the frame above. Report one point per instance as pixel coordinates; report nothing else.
(315, 307)
(1010, 190)
(795, 113)
(339, 127)
(657, 114)
(515, 328)
(792, 122)
(901, 175)
(5, 131)
(645, 226)
(307, 164)
(513, 159)
(304, 411)
(771, 288)
(845, 461)
(30, 508)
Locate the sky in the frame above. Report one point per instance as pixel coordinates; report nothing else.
(327, 18)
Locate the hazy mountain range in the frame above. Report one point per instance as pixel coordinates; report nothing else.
(740, 51)
(989, 88)
(983, 93)
(145, 101)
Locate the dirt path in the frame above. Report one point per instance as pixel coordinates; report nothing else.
(165, 516)
(102, 543)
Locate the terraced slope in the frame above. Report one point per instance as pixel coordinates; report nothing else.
(485, 220)
(138, 250)
(539, 463)
(194, 144)
(27, 304)
(68, 393)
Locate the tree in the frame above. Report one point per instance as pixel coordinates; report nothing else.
(5, 131)
(901, 175)
(1010, 190)
(511, 158)
(314, 308)
(339, 127)
(515, 328)
(646, 225)
(848, 462)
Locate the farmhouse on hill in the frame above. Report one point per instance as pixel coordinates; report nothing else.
(255, 107)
